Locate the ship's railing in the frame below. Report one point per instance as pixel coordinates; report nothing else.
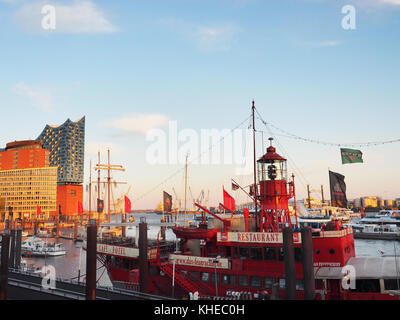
(333, 234)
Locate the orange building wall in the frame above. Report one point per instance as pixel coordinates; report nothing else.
(68, 196)
(24, 158)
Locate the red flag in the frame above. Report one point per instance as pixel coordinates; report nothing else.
(127, 205)
(38, 211)
(229, 202)
(80, 208)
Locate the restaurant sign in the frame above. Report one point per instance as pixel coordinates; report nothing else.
(255, 237)
(219, 263)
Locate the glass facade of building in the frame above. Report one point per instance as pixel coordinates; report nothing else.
(25, 189)
(66, 143)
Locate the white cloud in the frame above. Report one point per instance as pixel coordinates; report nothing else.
(140, 124)
(39, 97)
(79, 17)
(210, 37)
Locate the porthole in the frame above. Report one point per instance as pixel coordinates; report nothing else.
(317, 251)
(332, 251)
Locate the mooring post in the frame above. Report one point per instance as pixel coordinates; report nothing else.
(308, 264)
(123, 227)
(5, 246)
(91, 249)
(163, 232)
(75, 230)
(290, 270)
(11, 263)
(18, 243)
(143, 256)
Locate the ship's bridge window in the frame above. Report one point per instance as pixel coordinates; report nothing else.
(269, 253)
(228, 279)
(268, 283)
(255, 282)
(243, 281)
(244, 253)
(256, 253)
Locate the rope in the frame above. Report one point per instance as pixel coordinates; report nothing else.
(354, 144)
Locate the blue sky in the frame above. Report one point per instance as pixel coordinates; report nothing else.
(127, 65)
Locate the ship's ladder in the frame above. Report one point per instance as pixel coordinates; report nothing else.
(181, 281)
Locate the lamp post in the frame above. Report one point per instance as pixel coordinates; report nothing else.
(216, 260)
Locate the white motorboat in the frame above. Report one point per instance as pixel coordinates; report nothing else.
(376, 231)
(35, 247)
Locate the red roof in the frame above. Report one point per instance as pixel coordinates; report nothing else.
(270, 156)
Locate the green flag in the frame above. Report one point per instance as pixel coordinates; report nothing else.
(351, 156)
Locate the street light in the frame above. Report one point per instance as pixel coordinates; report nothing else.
(216, 260)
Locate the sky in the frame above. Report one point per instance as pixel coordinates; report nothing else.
(136, 69)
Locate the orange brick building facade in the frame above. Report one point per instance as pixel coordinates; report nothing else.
(68, 196)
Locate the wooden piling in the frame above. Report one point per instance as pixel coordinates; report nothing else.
(18, 243)
(290, 270)
(91, 249)
(11, 260)
(5, 246)
(308, 264)
(143, 257)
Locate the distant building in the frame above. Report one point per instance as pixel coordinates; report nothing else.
(369, 202)
(25, 189)
(66, 144)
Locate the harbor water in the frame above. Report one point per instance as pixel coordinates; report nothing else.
(73, 264)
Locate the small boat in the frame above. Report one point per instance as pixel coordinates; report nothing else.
(35, 247)
(377, 232)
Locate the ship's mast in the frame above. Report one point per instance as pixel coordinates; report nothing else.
(254, 154)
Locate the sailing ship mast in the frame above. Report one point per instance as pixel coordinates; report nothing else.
(254, 163)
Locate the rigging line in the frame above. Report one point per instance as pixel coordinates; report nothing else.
(183, 168)
(296, 169)
(354, 144)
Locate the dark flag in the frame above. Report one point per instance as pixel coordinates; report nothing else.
(234, 186)
(167, 202)
(338, 190)
(351, 156)
(100, 205)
